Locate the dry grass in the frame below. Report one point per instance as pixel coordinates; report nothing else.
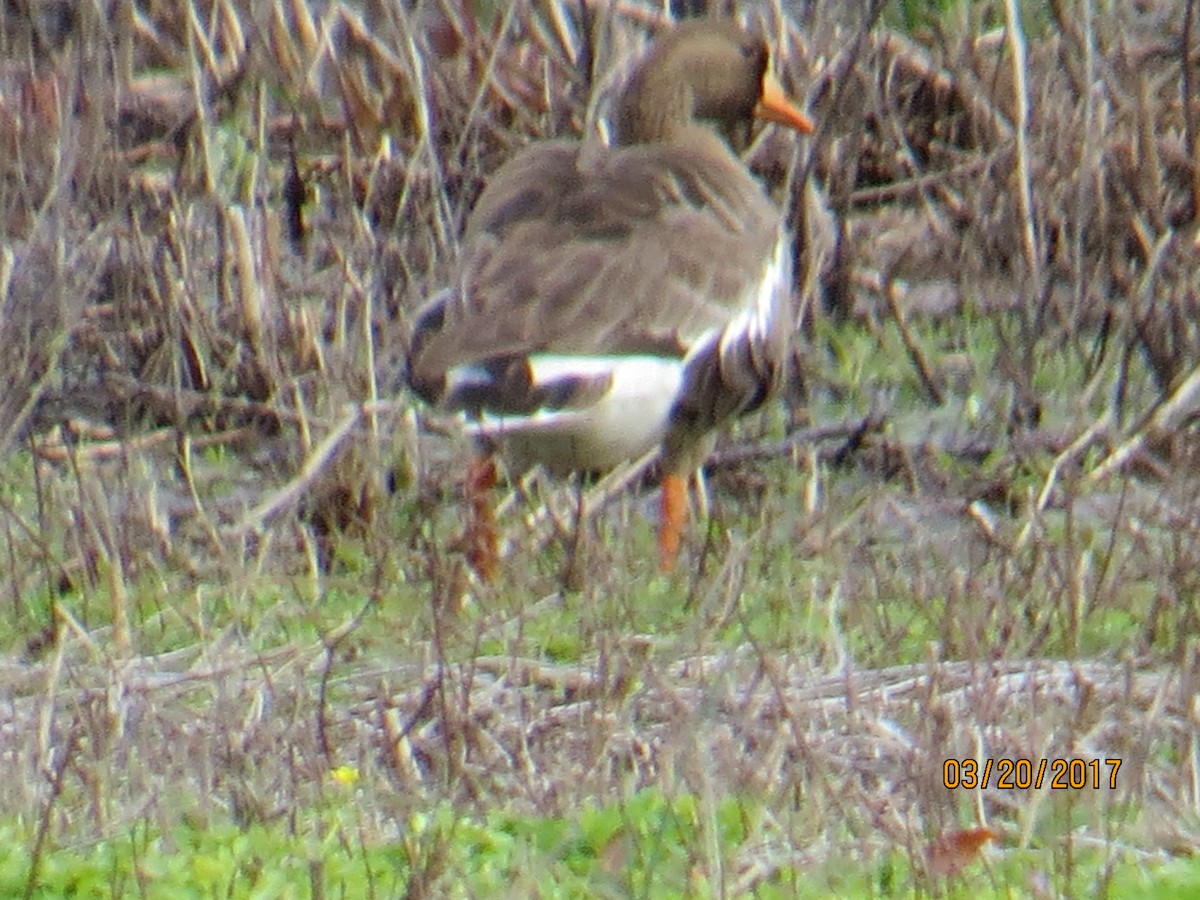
(227, 539)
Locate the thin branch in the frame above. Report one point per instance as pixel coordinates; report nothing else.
(313, 467)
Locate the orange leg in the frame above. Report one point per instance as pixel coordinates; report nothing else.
(672, 514)
(479, 541)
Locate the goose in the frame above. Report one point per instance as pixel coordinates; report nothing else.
(613, 299)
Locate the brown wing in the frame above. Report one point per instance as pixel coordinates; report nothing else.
(613, 251)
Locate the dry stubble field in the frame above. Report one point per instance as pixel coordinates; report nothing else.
(228, 561)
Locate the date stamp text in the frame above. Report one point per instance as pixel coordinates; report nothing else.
(1021, 774)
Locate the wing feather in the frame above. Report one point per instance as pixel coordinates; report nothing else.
(621, 251)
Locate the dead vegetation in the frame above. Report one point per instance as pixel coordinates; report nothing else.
(214, 227)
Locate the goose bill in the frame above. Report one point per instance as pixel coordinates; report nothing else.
(774, 106)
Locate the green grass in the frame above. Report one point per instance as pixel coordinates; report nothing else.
(970, 16)
(776, 578)
(649, 845)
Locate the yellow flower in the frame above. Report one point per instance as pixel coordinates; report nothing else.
(346, 775)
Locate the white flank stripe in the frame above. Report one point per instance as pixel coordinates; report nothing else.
(460, 376)
(769, 293)
(626, 422)
(547, 367)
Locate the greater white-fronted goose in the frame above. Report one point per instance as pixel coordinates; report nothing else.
(613, 299)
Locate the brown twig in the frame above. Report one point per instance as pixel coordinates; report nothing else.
(735, 457)
(929, 380)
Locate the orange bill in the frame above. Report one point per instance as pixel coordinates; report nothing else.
(672, 514)
(775, 106)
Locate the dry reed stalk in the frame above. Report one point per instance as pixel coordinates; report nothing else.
(289, 494)
(1020, 67)
(1168, 416)
(284, 50)
(1189, 116)
(250, 292)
